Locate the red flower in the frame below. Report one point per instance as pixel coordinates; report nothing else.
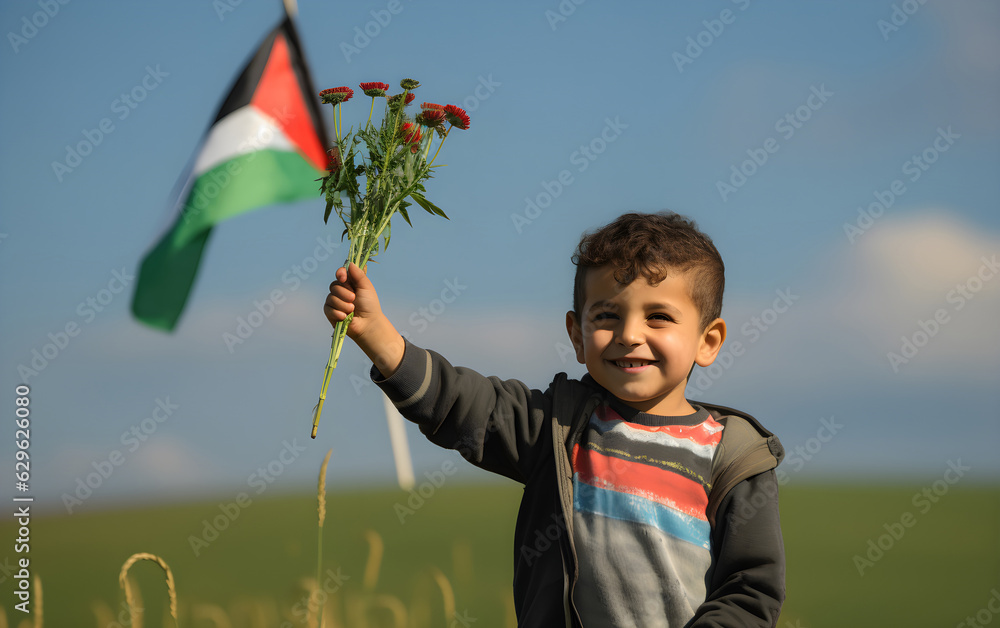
(432, 118)
(430, 105)
(411, 133)
(457, 116)
(374, 89)
(334, 162)
(336, 95)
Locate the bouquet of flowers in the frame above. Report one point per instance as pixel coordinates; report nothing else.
(393, 165)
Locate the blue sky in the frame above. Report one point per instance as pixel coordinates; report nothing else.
(839, 110)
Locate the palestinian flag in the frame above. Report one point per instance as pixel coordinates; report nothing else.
(266, 146)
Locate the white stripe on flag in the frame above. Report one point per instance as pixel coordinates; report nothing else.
(243, 131)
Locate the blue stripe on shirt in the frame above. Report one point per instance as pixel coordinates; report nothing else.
(587, 498)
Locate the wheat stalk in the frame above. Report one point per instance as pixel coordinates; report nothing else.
(508, 603)
(137, 603)
(102, 613)
(38, 601)
(375, 550)
(394, 605)
(321, 492)
(321, 510)
(123, 581)
(447, 594)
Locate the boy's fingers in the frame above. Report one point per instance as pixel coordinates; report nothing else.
(359, 277)
(342, 290)
(338, 304)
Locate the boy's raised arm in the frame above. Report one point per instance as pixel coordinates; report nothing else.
(493, 423)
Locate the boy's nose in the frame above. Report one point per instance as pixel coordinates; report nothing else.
(630, 334)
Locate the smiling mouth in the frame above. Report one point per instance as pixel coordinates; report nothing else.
(625, 364)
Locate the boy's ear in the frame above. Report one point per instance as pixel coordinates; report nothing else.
(575, 335)
(711, 341)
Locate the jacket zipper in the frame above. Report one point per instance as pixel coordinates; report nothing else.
(565, 486)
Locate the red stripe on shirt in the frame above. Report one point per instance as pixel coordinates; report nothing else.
(643, 480)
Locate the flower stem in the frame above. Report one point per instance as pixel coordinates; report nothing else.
(339, 330)
(430, 140)
(440, 145)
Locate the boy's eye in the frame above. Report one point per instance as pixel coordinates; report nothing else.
(600, 316)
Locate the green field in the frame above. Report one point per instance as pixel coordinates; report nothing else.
(944, 567)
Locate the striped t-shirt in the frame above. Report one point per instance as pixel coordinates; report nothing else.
(640, 489)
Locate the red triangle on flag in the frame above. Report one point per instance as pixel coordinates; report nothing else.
(280, 96)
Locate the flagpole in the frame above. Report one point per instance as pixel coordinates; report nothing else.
(400, 446)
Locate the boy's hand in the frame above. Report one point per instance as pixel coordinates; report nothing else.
(369, 328)
(352, 292)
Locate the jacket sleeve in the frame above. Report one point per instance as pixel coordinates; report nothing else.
(493, 423)
(746, 582)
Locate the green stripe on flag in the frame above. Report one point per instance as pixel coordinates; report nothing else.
(245, 183)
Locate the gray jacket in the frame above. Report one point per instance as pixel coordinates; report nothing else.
(528, 435)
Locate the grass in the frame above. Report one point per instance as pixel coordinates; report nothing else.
(456, 550)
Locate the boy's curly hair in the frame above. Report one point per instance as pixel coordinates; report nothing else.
(654, 245)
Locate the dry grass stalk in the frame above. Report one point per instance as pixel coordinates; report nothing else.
(420, 602)
(511, 612)
(130, 591)
(102, 613)
(330, 611)
(37, 611)
(38, 601)
(375, 550)
(140, 608)
(354, 611)
(321, 493)
(321, 509)
(311, 585)
(394, 605)
(447, 594)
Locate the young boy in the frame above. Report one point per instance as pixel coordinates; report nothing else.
(640, 508)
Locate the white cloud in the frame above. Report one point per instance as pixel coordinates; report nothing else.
(169, 462)
(857, 302)
(911, 266)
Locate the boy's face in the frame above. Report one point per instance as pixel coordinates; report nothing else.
(640, 341)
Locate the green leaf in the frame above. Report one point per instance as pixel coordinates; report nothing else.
(427, 205)
(329, 208)
(355, 210)
(402, 211)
